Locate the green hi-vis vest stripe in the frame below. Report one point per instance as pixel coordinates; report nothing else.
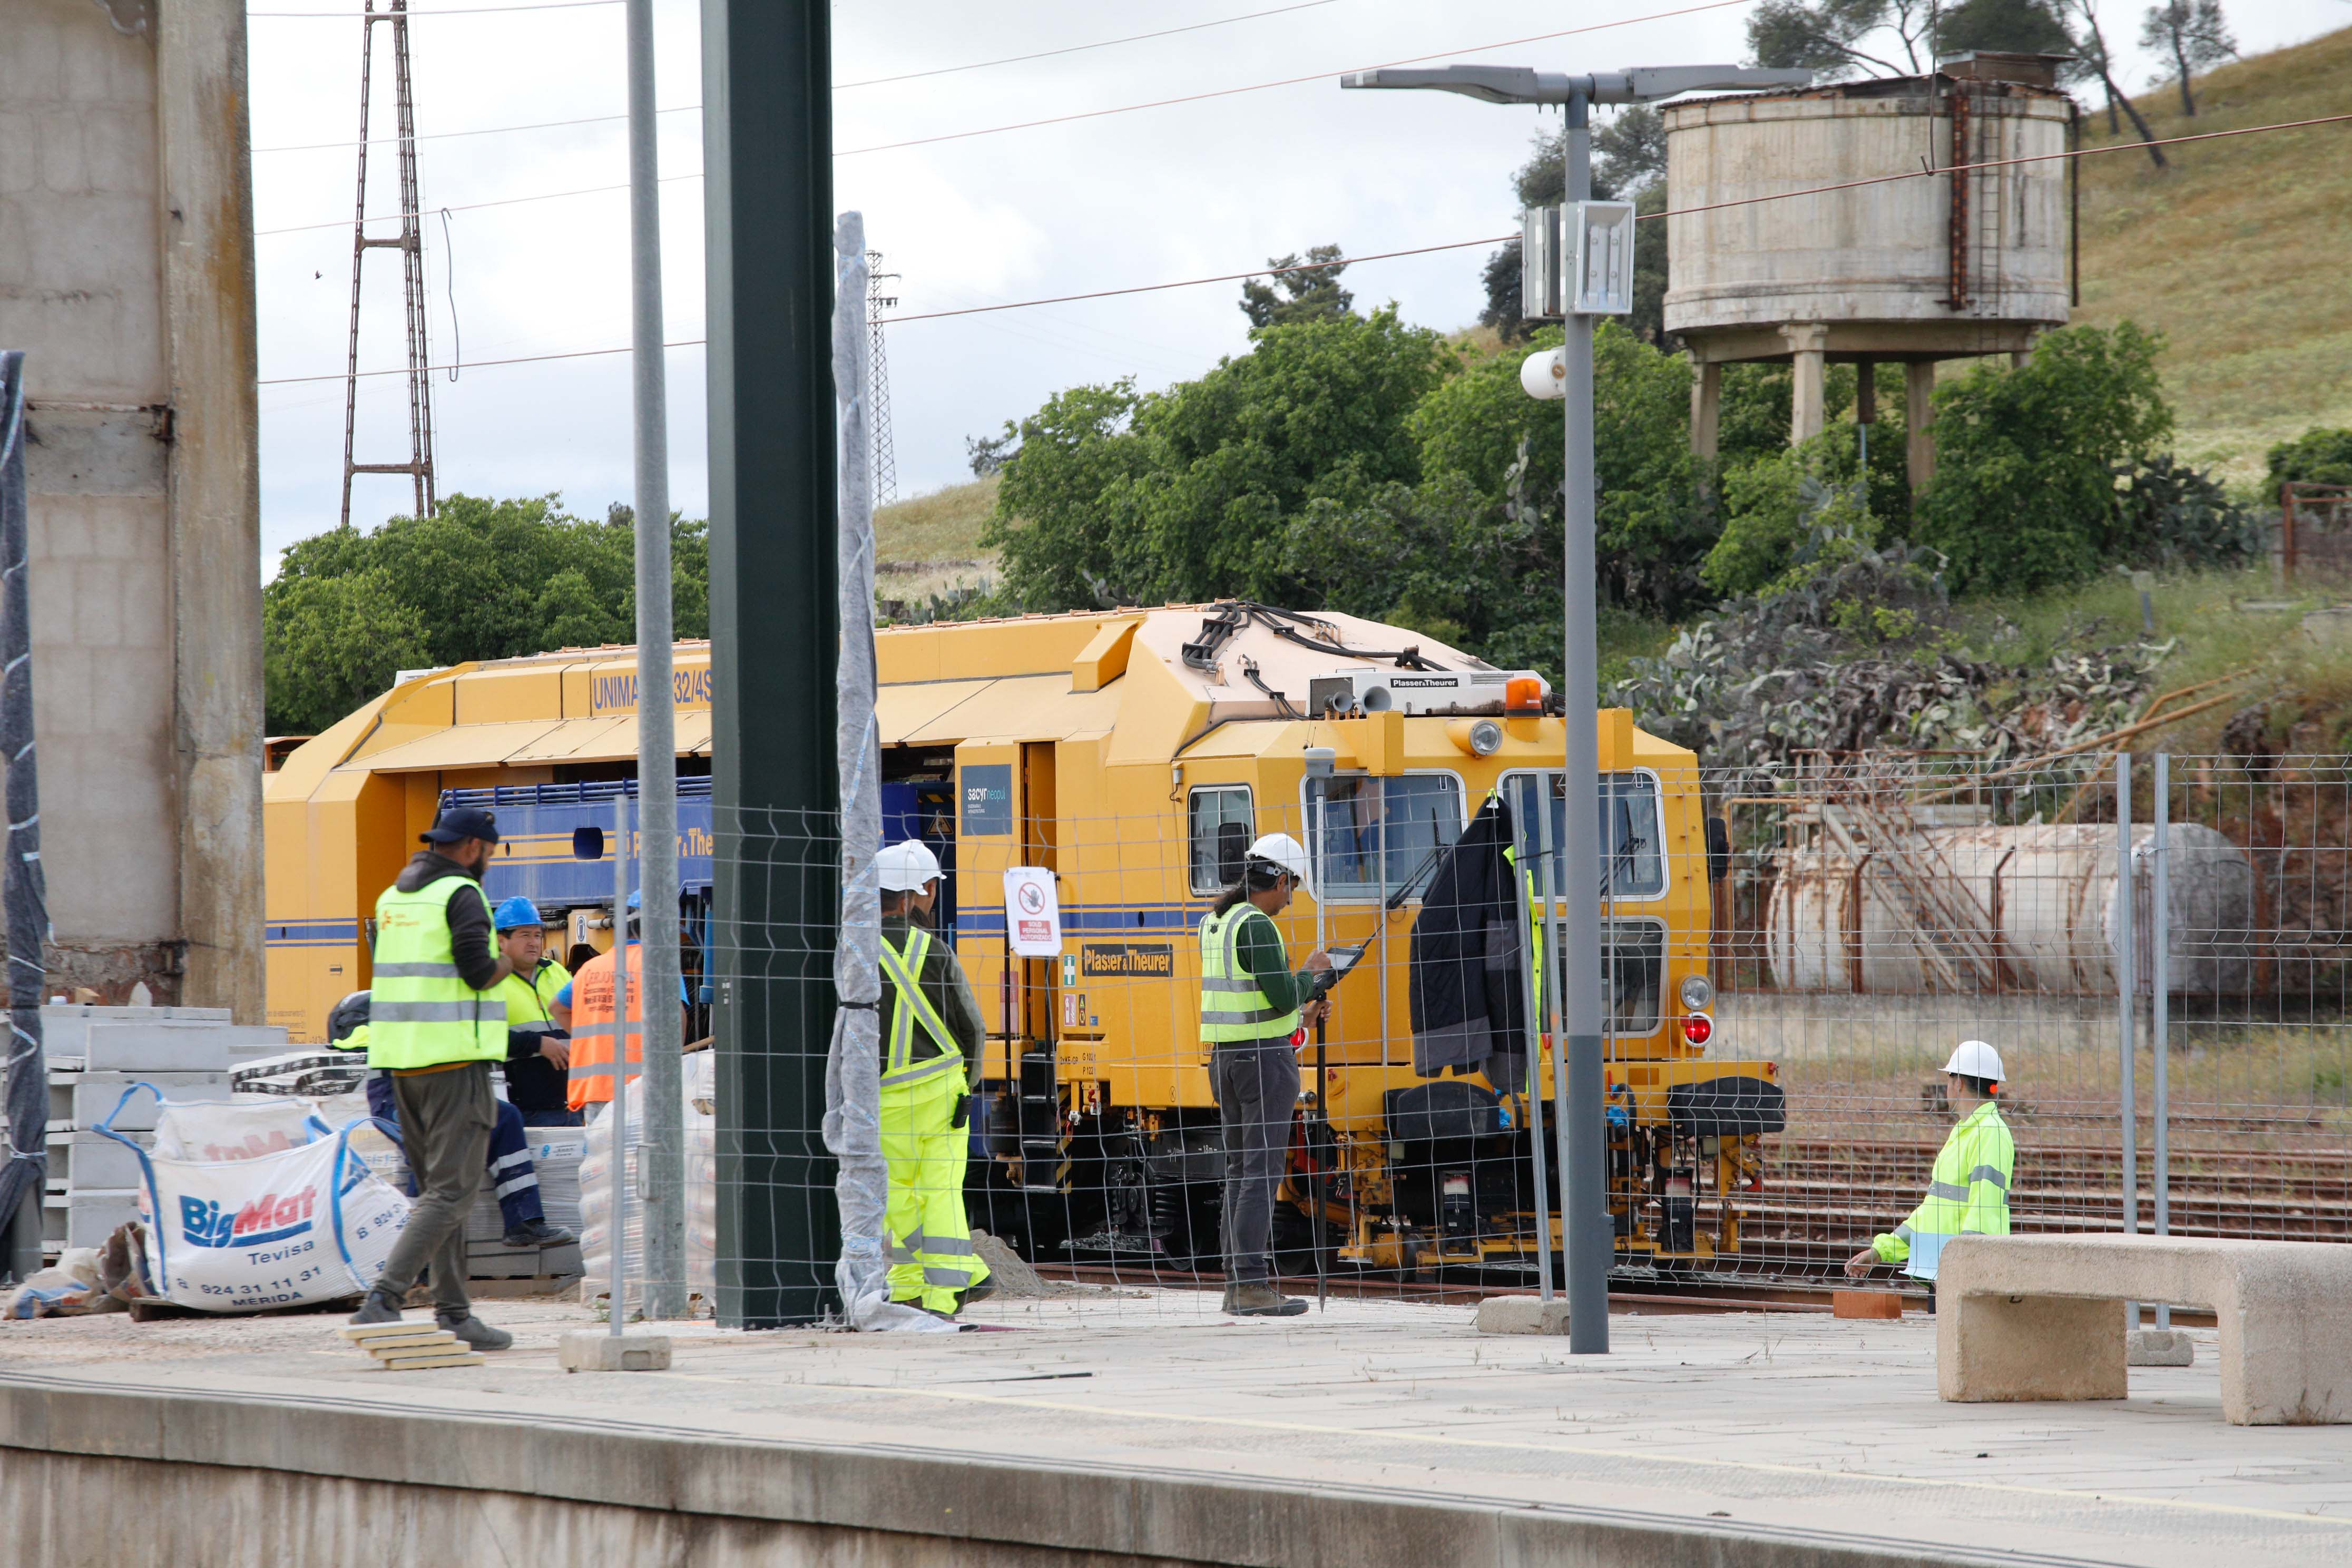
(1233, 1004)
(421, 1013)
(904, 969)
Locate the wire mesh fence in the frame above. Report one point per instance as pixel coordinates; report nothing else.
(1791, 956)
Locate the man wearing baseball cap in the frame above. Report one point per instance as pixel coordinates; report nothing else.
(1968, 1192)
(436, 1022)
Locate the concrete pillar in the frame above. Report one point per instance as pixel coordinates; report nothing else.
(1707, 409)
(137, 317)
(213, 505)
(1808, 344)
(1918, 391)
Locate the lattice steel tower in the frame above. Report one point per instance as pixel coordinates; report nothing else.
(886, 458)
(410, 243)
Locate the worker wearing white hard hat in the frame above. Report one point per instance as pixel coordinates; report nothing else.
(932, 1040)
(1254, 1014)
(908, 867)
(1967, 1191)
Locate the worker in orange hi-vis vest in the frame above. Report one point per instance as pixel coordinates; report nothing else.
(586, 1007)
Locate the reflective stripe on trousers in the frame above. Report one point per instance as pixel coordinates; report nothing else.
(932, 1254)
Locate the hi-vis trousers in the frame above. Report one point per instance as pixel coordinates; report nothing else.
(931, 1255)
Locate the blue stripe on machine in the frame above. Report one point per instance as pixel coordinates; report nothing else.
(990, 922)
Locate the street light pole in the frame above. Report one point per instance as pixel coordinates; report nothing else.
(664, 1150)
(1588, 1232)
(1588, 1236)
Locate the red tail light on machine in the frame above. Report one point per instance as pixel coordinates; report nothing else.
(1697, 1027)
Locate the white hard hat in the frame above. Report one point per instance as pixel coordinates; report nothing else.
(907, 868)
(1281, 849)
(1976, 1059)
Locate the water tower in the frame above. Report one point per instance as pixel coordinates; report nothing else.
(1977, 261)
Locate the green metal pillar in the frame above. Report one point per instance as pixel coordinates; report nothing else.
(768, 202)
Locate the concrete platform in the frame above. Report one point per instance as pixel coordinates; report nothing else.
(1136, 1427)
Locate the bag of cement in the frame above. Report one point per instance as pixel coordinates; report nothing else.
(700, 1139)
(243, 1127)
(67, 1288)
(300, 1226)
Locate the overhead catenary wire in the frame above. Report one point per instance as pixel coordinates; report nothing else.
(1321, 76)
(1086, 114)
(420, 16)
(1921, 173)
(1419, 250)
(1081, 49)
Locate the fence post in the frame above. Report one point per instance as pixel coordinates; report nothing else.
(2159, 1000)
(2126, 997)
(619, 1114)
(1523, 875)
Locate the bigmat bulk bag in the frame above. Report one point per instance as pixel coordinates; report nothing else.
(298, 1226)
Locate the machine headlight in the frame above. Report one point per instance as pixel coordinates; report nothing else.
(1697, 990)
(1479, 737)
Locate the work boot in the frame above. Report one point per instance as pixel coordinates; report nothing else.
(537, 1234)
(1259, 1299)
(478, 1336)
(378, 1307)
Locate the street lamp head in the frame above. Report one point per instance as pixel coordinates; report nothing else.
(1494, 84)
(1646, 84)
(1517, 84)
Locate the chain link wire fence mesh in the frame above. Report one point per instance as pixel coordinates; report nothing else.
(1793, 953)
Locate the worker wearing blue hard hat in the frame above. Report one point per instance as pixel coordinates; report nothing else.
(507, 1168)
(539, 1050)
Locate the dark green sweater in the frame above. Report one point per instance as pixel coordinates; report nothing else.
(1263, 955)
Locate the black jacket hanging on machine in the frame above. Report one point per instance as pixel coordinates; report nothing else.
(1469, 990)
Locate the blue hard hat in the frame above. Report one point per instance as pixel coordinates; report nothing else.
(636, 896)
(516, 913)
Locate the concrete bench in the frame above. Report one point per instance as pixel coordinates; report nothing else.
(2043, 1317)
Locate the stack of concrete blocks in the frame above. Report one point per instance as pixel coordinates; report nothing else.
(95, 1054)
(555, 1152)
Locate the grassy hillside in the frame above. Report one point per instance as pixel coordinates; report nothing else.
(2238, 252)
(930, 544)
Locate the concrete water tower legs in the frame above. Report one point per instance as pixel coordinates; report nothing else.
(1810, 348)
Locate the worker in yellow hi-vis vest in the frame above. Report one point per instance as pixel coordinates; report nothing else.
(933, 1038)
(1254, 1014)
(1967, 1191)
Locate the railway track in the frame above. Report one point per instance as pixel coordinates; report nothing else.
(1824, 1198)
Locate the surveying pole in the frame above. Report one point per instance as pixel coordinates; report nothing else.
(1590, 258)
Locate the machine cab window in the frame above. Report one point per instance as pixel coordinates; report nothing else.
(1377, 836)
(1632, 836)
(1221, 831)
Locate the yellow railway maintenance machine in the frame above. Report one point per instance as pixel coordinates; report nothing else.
(1133, 754)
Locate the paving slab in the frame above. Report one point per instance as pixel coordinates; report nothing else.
(1777, 1428)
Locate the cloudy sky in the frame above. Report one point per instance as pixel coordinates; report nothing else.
(1213, 186)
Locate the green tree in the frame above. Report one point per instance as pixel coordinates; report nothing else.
(2011, 27)
(2318, 456)
(2194, 33)
(1306, 295)
(330, 643)
(2025, 489)
(1187, 493)
(1788, 518)
(1653, 529)
(477, 579)
(1066, 500)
